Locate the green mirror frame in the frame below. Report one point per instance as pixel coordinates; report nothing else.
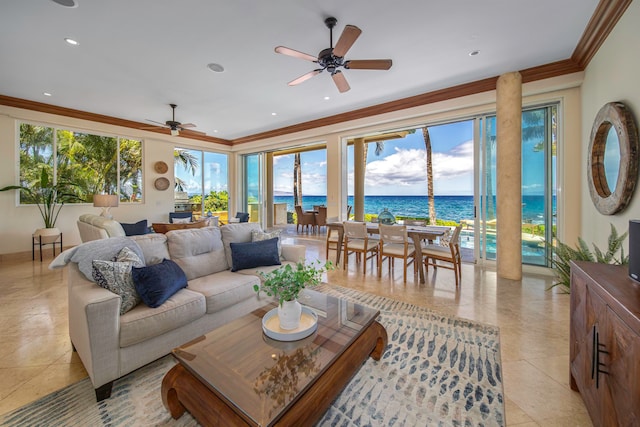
(613, 115)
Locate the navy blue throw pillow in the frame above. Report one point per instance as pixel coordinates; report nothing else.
(136, 229)
(254, 254)
(157, 283)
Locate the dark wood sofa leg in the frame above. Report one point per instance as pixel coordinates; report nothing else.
(104, 391)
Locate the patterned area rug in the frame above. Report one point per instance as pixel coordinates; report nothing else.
(436, 371)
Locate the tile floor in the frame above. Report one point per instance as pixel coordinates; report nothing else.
(36, 356)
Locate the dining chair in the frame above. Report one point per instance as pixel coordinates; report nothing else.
(433, 253)
(357, 240)
(395, 243)
(304, 219)
(332, 241)
(321, 216)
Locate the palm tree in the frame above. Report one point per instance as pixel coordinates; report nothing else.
(432, 204)
(297, 180)
(188, 161)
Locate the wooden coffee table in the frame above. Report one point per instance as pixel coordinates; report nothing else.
(237, 376)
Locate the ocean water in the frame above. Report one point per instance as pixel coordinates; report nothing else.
(454, 208)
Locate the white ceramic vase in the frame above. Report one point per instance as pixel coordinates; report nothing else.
(289, 314)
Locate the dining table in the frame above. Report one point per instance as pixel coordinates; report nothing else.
(417, 233)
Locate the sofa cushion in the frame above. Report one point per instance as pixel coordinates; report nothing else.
(135, 229)
(143, 323)
(259, 235)
(254, 254)
(115, 276)
(237, 233)
(157, 283)
(154, 247)
(198, 251)
(224, 289)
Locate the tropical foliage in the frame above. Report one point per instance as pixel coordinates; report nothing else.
(564, 254)
(93, 163)
(47, 195)
(214, 202)
(286, 282)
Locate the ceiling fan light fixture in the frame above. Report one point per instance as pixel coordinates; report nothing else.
(175, 132)
(66, 3)
(216, 68)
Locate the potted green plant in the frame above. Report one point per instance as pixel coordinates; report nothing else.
(49, 198)
(286, 283)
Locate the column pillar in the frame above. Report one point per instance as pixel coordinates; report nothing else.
(358, 179)
(509, 176)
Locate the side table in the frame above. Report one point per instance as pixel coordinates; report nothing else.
(40, 240)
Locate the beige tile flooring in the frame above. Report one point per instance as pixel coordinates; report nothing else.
(36, 356)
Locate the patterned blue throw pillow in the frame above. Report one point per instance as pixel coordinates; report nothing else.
(116, 277)
(157, 283)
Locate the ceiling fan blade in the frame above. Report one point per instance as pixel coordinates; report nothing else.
(304, 77)
(187, 125)
(368, 64)
(340, 81)
(159, 123)
(296, 54)
(348, 37)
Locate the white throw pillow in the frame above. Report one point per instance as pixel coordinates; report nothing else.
(181, 220)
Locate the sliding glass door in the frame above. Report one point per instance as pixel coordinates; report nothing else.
(252, 192)
(539, 140)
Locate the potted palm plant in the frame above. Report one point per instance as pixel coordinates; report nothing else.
(49, 198)
(286, 283)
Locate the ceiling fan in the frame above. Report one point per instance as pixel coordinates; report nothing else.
(173, 125)
(332, 58)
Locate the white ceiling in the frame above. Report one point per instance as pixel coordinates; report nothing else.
(137, 56)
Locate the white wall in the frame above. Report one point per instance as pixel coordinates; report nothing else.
(612, 75)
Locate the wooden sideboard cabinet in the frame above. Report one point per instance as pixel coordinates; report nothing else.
(605, 342)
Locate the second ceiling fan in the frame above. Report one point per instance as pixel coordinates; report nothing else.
(332, 58)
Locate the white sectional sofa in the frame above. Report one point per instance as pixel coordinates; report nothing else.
(111, 345)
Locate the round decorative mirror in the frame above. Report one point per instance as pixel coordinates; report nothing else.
(612, 170)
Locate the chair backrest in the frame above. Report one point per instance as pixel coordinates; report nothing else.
(393, 233)
(455, 237)
(173, 215)
(355, 230)
(349, 208)
(299, 212)
(321, 216)
(242, 216)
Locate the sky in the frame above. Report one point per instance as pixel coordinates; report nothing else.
(399, 170)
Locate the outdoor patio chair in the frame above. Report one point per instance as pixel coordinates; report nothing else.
(449, 254)
(321, 217)
(394, 243)
(181, 215)
(357, 240)
(304, 219)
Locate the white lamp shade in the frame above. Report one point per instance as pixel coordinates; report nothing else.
(105, 200)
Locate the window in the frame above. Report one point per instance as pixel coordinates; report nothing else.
(201, 182)
(94, 163)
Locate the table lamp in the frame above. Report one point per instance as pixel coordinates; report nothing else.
(106, 202)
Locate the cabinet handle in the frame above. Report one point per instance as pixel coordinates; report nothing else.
(594, 346)
(597, 363)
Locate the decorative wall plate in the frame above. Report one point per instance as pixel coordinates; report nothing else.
(161, 167)
(161, 184)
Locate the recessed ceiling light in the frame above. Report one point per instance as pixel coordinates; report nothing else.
(66, 3)
(215, 131)
(274, 114)
(326, 98)
(46, 93)
(72, 42)
(474, 52)
(216, 68)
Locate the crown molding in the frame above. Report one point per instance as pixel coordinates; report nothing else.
(99, 118)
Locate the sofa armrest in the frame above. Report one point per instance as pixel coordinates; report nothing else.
(94, 327)
(294, 253)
